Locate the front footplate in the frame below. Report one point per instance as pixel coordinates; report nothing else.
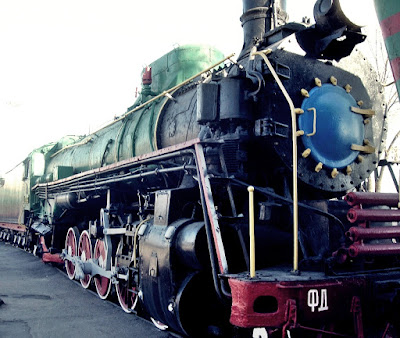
(275, 299)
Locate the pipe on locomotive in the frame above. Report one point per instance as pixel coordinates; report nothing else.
(259, 17)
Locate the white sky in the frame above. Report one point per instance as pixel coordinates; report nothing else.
(68, 67)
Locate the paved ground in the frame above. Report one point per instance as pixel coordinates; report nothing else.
(40, 301)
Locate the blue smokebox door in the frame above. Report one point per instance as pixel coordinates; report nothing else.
(337, 127)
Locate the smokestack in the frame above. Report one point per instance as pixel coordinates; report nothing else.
(259, 17)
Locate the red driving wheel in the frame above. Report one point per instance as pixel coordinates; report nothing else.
(85, 253)
(71, 246)
(103, 284)
(127, 297)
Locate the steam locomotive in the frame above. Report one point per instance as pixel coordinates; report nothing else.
(214, 205)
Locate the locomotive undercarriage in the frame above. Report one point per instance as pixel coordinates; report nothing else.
(156, 212)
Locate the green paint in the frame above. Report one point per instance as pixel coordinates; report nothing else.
(134, 134)
(393, 46)
(123, 139)
(386, 8)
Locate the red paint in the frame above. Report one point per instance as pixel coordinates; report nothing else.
(357, 249)
(47, 257)
(364, 231)
(207, 196)
(15, 227)
(390, 25)
(245, 292)
(357, 314)
(358, 233)
(291, 316)
(378, 215)
(102, 284)
(146, 77)
(372, 198)
(395, 64)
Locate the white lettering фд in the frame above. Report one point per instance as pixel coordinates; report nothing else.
(315, 300)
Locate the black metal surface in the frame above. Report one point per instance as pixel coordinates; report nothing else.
(171, 281)
(207, 102)
(178, 120)
(333, 45)
(303, 73)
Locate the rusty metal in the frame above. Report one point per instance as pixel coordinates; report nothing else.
(290, 317)
(211, 212)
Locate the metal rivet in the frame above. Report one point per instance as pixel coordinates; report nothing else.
(304, 92)
(364, 112)
(360, 158)
(306, 153)
(366, 121)
(298, 111)
(368, 149)
(318, 82)
(349, 170)
(348, 88)
(333, 80)
(300, 133)
(334, 173)
(318, 167)
(360, 103)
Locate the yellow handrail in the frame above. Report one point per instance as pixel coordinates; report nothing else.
(263, 54)
(250, 189)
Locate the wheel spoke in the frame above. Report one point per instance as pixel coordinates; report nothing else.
(71, 246)
(127, 296)
(85, 253)
(103, 284)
